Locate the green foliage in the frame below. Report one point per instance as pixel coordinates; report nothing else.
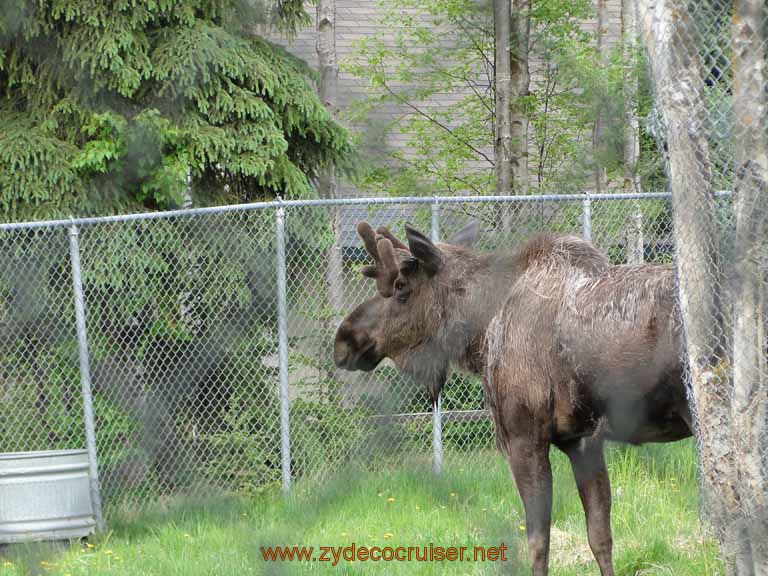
(109, 106)
(651, 165)
(438, 47)
(468, 436)
(179, 321)
(447, 48)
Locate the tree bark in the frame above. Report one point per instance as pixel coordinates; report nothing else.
(631, 127)
(328, 185)
(636, 248)
(503, 144)
(520, 85)
(635, 241)
(599, 129)
(750, 377)
(676, 69)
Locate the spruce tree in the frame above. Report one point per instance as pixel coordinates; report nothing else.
(114, 105)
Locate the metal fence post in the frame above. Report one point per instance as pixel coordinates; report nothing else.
(85, 375)
(282, 346)
(586, 206)
(437, 420)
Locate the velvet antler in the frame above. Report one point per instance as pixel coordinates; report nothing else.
(381, 247)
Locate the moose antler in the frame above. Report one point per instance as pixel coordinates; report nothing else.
(381, 247)
(384, 231)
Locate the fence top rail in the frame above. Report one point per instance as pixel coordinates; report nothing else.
(190, 212)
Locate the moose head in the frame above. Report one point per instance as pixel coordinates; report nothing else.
(410, 317)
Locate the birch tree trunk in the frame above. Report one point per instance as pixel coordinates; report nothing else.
(676, 69)
(636, 247)
(599, 129)
(325, 43)
(328, 185)
(520, 85)
(503, 86)
(750, 378)
(631, 127)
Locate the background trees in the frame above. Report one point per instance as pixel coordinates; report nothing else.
(111, 106)
(442, 70)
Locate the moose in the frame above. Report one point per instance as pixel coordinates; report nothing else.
(573, 351)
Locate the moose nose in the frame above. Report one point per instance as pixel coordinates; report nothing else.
(341, 354)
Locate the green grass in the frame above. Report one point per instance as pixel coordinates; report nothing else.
(655, 524)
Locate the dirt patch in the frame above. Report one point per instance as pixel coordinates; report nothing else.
(565, 548)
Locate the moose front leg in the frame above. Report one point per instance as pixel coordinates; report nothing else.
(533, 476)
(591, 473)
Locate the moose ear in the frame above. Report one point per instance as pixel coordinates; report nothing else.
(467, 236)
(428, 255)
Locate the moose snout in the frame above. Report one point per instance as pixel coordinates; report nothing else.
(341, 354)
(351, 354)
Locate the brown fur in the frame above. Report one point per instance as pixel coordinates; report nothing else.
(572, 351)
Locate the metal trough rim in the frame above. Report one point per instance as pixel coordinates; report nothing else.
(41, 453)
(62, 468)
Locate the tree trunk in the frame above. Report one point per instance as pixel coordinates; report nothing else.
(503, 144)
(329, 73)
(635, 241)
(631, 128)
(599, 129)
(635, 250)
(750, 378)
(676, 69)
(520, 85)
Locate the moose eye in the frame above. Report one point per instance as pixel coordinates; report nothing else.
(401, 294)
(409, 266)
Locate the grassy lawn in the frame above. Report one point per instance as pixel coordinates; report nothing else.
(655, 524)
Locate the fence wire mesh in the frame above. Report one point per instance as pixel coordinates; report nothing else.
(708, 61)
(42, 405)
(182, 329)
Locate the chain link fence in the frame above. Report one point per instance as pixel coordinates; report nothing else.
(208, 343)
(708, 62)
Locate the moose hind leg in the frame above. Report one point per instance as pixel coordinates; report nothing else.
(591, 473)
(533, 476)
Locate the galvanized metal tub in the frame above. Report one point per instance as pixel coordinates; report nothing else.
(45, 496)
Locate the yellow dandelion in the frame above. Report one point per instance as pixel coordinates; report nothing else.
(522, 527)
(107, 552)
(381, 494)
(418, 507)
(118, 558)
(187, 536)
(453, 494)
(8, 563)
(388, 535)
(443, 507)
(390, 499)
(344, 534)
(89, 545)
